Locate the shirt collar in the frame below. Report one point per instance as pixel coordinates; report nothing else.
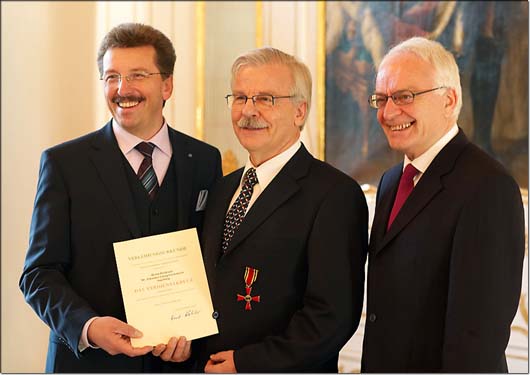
(422, 162)
(269, 169)
(127, 141)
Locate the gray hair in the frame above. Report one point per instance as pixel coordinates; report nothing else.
(443, 62)
(271, 56)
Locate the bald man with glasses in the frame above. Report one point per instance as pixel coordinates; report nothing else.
(447, 242)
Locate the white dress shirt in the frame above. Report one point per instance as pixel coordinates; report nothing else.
(161, 153)
(422, 162)
(265, 173)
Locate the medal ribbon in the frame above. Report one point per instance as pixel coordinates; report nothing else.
(251, 274)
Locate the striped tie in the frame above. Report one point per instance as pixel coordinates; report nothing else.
(146, 173)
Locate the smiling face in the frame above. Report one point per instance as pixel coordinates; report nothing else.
(413, 128)
(265, 133)
(136, 106)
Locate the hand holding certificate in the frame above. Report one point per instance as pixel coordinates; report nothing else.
(164, 287)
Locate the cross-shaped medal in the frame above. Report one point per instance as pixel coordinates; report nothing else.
(248, 298)
(251, 274)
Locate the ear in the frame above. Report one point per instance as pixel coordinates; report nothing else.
(451, 98)
(300, 114)
(167, 87)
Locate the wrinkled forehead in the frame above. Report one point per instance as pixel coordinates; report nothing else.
(404, 71)
(270, 78)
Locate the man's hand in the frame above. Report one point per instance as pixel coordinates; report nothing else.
(174, 351)
(222, 362)
(114, 336)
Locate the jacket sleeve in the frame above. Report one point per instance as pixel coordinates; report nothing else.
(44, 281)
(333, 299)
(485, 278)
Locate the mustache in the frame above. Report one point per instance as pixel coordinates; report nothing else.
(129, 98)
(251, 123)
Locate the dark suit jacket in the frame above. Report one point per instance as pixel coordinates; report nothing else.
(306, 234)
(444, 281)
(83, 205)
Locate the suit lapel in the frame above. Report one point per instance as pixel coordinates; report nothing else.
(216, 213)
(425, 190)
(386, 193)
(281, 188)
(183, 161)
(430, 184)
(107, 159)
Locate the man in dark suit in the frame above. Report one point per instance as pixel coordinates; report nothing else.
(100, 189)
(285, 237)
(445, 266)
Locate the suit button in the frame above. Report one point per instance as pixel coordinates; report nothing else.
(215, 315)
(155, 211)
(372, 318)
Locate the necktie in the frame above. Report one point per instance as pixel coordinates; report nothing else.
(406, 184)
(237, 211)
(146, 172)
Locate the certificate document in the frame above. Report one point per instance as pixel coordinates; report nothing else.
(164, 287)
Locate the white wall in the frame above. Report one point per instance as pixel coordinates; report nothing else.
(233, 23)
(47, 85)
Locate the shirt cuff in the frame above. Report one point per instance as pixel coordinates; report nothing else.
(83, 341)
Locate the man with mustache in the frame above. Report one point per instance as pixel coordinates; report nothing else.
(285, 237)
(135, 177)
(448, 240)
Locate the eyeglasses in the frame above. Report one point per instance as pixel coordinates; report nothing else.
(113, 79)
(402, 97)
(262, 101)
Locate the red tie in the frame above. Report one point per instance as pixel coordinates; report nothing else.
(406, 184)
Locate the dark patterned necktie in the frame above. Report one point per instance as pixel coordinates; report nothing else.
(237, 211)
(146, 172)
(406, 184)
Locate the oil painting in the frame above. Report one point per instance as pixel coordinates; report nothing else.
(490, 43)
